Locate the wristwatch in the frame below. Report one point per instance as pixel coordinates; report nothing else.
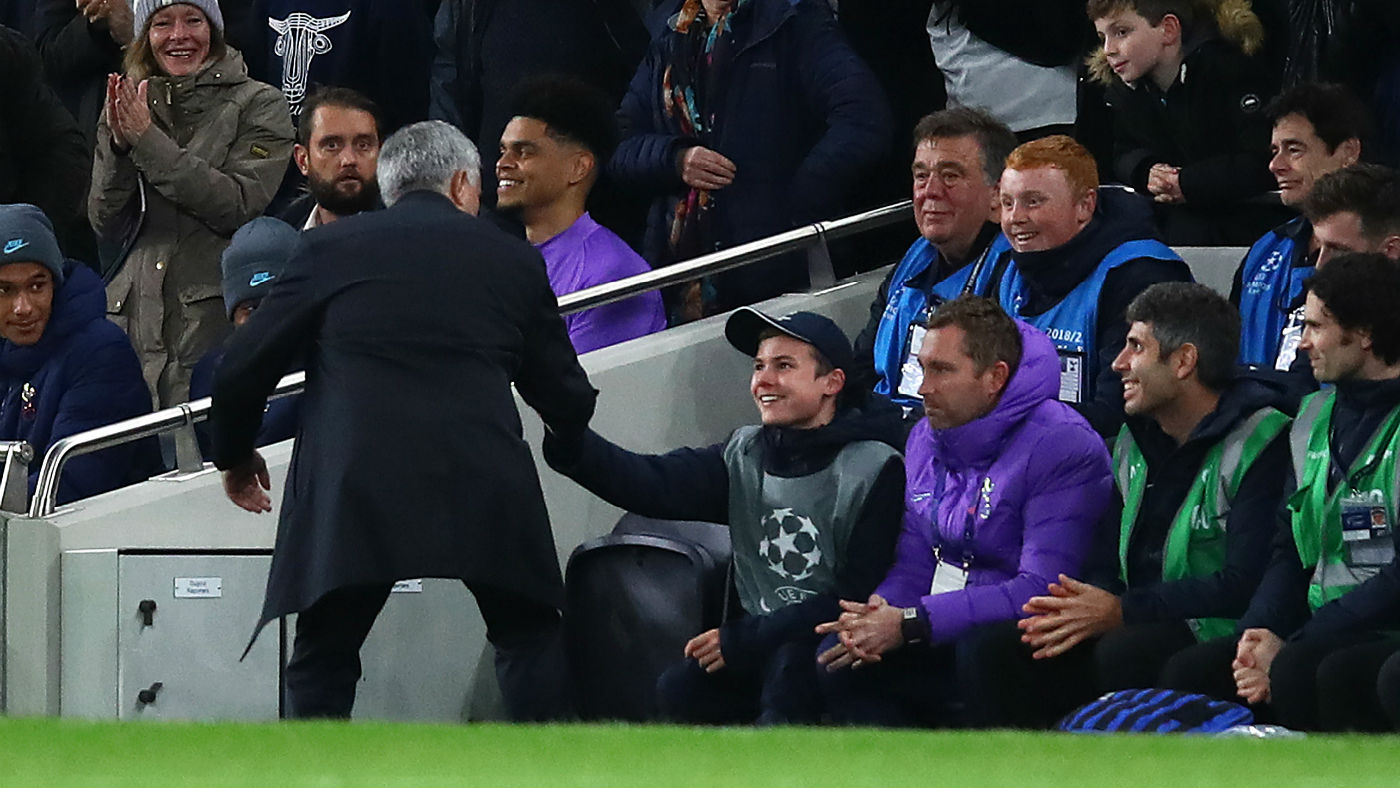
(913, 627)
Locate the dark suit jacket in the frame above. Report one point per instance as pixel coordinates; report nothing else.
(409, 460)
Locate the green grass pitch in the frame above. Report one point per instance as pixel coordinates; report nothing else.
(70, 753)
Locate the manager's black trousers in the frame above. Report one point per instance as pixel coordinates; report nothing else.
(325, 663)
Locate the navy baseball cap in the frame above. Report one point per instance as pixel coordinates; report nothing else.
(746, 324)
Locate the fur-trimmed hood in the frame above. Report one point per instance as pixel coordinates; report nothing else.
(1232, 20)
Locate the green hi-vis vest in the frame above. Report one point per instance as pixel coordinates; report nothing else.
(1196, 540)
(1317, 516)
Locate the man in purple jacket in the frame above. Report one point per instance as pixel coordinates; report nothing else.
(551, 153)
(1005, 488)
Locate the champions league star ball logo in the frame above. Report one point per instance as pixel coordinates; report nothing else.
(789, 544)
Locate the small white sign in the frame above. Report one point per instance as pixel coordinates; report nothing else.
(199, 587)
(408, 587)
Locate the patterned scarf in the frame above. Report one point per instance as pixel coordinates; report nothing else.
(693, 88)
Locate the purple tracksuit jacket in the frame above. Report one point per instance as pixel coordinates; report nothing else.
(1030, 479)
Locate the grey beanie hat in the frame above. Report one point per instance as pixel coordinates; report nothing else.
(141, 11)
(255, 258)
(26, 236)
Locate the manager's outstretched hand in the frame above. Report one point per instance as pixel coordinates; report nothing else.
(247, 484)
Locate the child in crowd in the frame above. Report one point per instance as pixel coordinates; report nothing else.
(1187, 100)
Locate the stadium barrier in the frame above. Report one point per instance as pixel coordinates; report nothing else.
(136, 603)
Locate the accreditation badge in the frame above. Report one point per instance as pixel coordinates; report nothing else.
(947, 577)
(911, 375)
(1288, 341)
(1367, 534)
(1071, 377)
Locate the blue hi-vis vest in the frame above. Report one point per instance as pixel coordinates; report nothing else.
(1269, 284)
(1073, 323)
(906, 303)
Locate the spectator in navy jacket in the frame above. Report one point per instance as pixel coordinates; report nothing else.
(253, 261)
(63, 367)
(747, 118)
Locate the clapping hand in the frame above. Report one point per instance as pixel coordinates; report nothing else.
(128, 114)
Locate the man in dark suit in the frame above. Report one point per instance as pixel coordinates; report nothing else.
(409, 460)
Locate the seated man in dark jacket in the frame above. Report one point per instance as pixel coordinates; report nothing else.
(63, 367)
(251, 263)
(1322, 622)
(813, 499)
(1200, 464)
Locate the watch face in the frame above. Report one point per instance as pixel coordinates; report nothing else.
(910, 628)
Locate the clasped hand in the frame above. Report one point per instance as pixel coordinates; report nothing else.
(1254, 656)
(865, 632)
(1164, 183)
(1072, 612)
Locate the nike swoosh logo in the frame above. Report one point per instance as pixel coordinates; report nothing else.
(15, 245)
(259, 278)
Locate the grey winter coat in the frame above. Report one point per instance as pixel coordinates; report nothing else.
(211, 160)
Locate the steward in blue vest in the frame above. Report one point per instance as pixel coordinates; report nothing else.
(1267, 288)
(1078, 293)
(900, 310)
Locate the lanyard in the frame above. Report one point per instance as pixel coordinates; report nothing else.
(966, 558)
(1375, 445)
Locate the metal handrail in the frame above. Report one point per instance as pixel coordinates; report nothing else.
(734, 257)
(99, 438)
(190, 413)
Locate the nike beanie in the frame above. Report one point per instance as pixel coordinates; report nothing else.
(26, 236)
(255, 258)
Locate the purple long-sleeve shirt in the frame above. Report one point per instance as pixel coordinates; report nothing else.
(1030, 479)
(589, 254)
